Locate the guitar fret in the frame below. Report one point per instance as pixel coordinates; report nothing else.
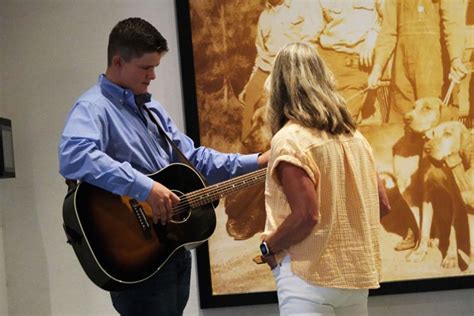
(218, 191)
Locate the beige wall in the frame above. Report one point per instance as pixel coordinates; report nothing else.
(3, 288)
(50, 51)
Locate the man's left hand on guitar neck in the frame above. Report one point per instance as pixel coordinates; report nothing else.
(263, 158)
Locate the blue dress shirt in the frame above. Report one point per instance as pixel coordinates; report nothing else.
(111, 143)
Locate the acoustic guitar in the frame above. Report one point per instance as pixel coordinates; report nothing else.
(115, 239)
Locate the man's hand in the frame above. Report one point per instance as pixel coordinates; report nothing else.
(458, 70)
(262, 160)
(374, 78)
(162, 200)
(367, 49)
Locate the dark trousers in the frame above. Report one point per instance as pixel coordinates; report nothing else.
(166, 293)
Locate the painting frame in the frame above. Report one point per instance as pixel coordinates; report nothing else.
(206, 296)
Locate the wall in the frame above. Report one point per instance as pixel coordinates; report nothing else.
(3, 281)
(50, 51)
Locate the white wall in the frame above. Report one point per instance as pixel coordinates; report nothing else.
(50, 51)
(3, 284)
(3, 281)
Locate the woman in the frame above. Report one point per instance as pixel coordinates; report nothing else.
(322, 193)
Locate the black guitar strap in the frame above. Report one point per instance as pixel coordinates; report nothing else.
(140, 100)
(182, 158)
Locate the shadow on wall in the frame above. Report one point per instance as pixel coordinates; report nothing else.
(26, 267)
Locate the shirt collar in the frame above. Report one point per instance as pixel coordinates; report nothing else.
(119, 94)
(141, 99)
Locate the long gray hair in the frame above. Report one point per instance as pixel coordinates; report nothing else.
(302, 89)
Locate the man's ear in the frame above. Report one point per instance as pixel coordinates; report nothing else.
(117, 61)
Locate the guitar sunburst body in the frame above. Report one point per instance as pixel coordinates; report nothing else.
(114, 236)
(114, 247)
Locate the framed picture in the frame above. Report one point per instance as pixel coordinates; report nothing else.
(225, 49)
(7, 161)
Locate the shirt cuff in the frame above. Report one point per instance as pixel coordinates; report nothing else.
(142, 187)
(249, 163)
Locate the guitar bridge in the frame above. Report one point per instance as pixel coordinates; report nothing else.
(142, 220)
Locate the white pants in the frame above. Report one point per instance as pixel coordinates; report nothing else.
(298, 297)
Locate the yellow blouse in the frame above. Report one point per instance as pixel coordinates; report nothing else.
(342, 251)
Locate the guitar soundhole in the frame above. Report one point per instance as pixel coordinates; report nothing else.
(182, 211)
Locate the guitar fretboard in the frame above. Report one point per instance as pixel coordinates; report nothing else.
(220, 190)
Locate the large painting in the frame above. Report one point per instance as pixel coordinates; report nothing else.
(405, 70)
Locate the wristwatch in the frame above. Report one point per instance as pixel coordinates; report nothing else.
(264, 249)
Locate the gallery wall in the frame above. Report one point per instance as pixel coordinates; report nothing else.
(3, 288)
(51, 52)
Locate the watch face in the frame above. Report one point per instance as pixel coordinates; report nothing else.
(264, 248)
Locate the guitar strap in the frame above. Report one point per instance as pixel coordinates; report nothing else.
(141, 100)
(182, 158)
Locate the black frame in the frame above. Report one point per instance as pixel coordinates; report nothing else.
(207, 299)
(5, 171)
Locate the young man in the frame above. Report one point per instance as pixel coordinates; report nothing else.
(110, 141)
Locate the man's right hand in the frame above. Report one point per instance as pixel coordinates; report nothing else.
(162, 200)
(367, 49)
(374, 78)
(458, 70)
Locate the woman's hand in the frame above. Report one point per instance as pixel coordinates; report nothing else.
(271, 260)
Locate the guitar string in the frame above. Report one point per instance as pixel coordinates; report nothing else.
(256, 176)
(182, 207)
(197, 196)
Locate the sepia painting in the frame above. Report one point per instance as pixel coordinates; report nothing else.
(404, 68)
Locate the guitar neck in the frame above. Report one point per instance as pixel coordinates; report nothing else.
(220, 190)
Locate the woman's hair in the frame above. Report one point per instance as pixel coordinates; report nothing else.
(132, 38)
(302, 89)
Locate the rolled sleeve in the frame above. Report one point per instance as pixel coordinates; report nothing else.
(290, 152)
